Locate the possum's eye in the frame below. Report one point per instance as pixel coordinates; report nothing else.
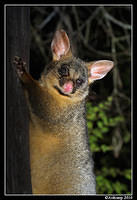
(64, 71)
(79, 82)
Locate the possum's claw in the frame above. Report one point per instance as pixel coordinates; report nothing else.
(20, 65)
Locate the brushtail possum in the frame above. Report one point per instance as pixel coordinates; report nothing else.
(60, 158)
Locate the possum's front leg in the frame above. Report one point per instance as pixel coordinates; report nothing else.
(29, 84)
(33, 90)
(25, 78)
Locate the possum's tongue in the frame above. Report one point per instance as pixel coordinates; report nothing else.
(68, 87)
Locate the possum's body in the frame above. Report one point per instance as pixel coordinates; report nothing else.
(60, 158)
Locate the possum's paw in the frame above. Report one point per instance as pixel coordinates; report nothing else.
(20, 66)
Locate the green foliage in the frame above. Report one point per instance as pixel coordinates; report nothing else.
(107, 183)
(98, 116)
(101, 122)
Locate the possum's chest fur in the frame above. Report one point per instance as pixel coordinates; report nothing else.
(59, 165)
(45, 153)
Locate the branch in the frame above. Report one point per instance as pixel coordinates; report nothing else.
(38, 41)
(102, 53)
(48, 19)
(115, 21)
(94, 14)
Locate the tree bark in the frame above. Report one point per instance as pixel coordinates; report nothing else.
(18, 179)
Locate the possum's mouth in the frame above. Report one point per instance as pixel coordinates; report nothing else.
(60, 92)
(66, 89)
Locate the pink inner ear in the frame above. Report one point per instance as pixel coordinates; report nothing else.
(100, 68)
(60, 44)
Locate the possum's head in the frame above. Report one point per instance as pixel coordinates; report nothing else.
(68, 76)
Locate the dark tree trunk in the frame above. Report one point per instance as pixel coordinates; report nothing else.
(18, 179)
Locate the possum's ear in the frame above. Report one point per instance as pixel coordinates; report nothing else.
(98, 69)
(60, 45)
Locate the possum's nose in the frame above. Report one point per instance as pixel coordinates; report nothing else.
(68, 87)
